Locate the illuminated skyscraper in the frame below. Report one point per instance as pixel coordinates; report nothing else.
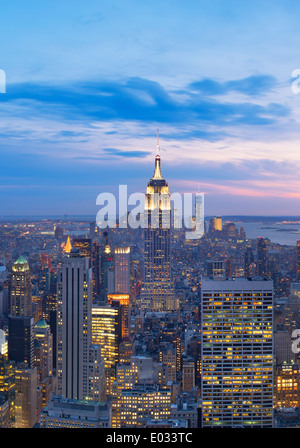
(90, 249)
(106, 332)
(26, 397)
(8, 383)
(43, 350)
(20, 289)
(157, 290)
(20, 320)
(215, 224)
(122, 270)
(107, 282)
(121, 301)
(237, 353)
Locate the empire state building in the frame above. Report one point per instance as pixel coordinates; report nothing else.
(157, 289)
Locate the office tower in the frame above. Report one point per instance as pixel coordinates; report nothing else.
(84, 246)
(106, 332)
(125, 350)
(141, 403)
(122, 302)
(8, 383)
(50, 316)
(74, 337)
(21, 340)
(68, 413)
(96, 268)
(215, 224)
(20, 319)
(215, 268)
(157, 290)
(237, 353)
(20, 289)
(26, 397)
(273, 262)
(97, 375)
(43, 346)
(262, 257)
(122, 270)
(249, 263)
(107, 282)
(90, 249)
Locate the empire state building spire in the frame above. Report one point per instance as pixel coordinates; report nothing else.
(157, 171)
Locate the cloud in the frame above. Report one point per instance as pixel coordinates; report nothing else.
(117, 152)
(250, 86)
(146, 101)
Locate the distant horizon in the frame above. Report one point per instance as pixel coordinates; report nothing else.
(90, 216)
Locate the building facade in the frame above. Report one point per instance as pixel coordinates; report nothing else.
(237, 353)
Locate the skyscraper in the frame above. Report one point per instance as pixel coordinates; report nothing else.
(237, 353)
(75, 352)
(20, 289)
(20, 320)
(107, 282)
(262, 257)
(157, 290)
(249, 265)
(122, 270)
(106, 332)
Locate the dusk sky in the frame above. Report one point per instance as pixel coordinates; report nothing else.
(88, 84)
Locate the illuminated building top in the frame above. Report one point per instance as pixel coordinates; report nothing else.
(21, 265)
(68, 246)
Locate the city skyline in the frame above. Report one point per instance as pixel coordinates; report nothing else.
(88, 85)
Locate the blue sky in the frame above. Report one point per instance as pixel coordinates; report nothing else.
(89, 83)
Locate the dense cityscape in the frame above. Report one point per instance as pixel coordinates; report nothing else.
(144, 328)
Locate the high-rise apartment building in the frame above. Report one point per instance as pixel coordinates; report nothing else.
(237, 353)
